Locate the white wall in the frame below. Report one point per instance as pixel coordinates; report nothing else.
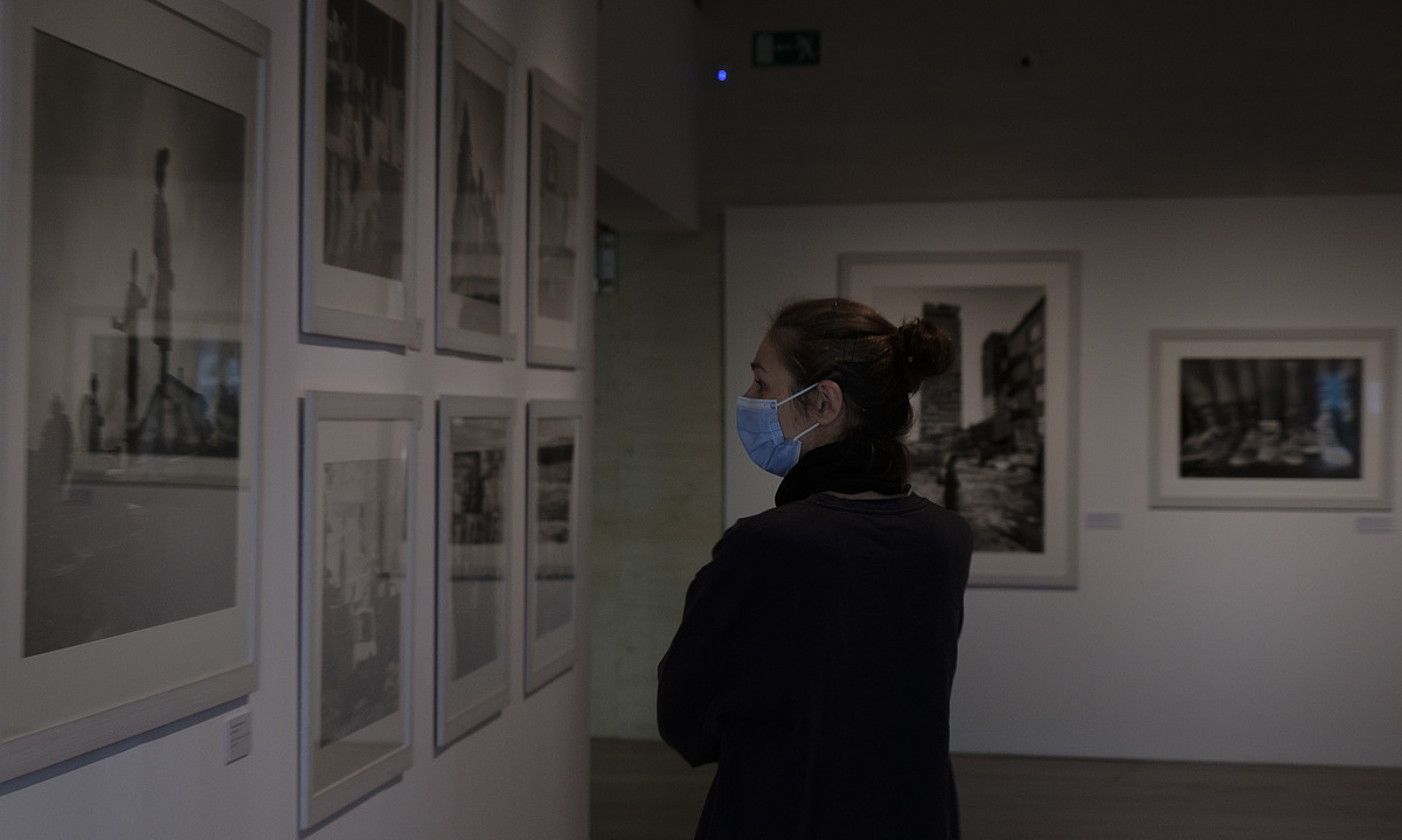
(1267, 636)
(524, 775)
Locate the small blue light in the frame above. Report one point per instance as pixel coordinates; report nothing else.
(722, 75)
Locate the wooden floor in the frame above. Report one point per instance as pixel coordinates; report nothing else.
(643, 791)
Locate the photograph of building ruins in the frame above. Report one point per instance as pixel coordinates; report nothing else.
(977, 443)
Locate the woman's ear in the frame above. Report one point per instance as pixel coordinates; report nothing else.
(829, 406)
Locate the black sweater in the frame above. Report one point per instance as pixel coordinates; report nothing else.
(814, 663)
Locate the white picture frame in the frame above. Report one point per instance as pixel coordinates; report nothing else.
(555, 432)
(1012, 426)
(1271, 418)
(357, 268)
(477, 465)
(355, 711)
(477, 187)
(118, 664)
(556, 240)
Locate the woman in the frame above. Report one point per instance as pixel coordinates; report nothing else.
(817, 648)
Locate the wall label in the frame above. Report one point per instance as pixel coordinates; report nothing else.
(1105, 522)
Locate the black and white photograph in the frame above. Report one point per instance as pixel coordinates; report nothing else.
(554, 567)
(133, 238)
(136, 302)
(364, 139)
(559, 223)
(475, 266)
(477, 539)
(991, 437)
(358, 170)
(554, 431)
(474, 202)
(362, 583)
(977, 445)
(556, 232)
(1271, 418)
(357, 589)
(475, 507)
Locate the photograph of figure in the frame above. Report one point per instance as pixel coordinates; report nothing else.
(362, 574)
(132, 378)
(1270, 418)
(558, 194)
(554, 569)
(978, 441)
(193, 408)
(476, 168)
(364, 139)
(477, 546)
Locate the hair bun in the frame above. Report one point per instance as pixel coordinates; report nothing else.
(923, 350)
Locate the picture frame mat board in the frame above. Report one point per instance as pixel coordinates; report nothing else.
(1367, 487)
(339, 431)
(552, 652)
(467, 700)
(352, 298)
(553, 341)
(70, 700)
(863, 276)
(468, 45)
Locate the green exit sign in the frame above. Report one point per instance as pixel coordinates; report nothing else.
(787, 49)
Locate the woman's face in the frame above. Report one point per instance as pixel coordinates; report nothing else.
(770, 380)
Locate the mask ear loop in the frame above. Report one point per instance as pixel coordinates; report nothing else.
(796, 395)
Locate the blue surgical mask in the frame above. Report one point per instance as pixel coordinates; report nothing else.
(757, 421)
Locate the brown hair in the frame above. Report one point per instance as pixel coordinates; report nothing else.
(876, 364)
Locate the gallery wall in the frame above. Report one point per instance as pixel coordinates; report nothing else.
(523, 775)
(1259, 636)
(657, 451)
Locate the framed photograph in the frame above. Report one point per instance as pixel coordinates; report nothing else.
(554, 435)
(994, 437)
(357, 171)
(476, 446)
(556, 235)
(476, 123)
(129, 291)
(1271, 419)
(358, 455)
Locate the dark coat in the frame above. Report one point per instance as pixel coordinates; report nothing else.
(814, 663)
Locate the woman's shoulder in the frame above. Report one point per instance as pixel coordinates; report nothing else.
(947, 519)
(762, 534)
(758, 526)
